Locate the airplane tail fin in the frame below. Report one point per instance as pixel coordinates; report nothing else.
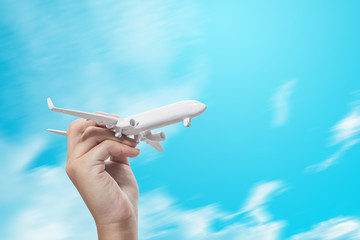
(50, 103)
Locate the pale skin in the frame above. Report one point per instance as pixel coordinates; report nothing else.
(108, 188)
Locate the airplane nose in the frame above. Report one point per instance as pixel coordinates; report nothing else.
(203, 107)
(197, 108)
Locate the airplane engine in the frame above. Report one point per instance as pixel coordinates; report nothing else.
(126, 123)
(156, 137)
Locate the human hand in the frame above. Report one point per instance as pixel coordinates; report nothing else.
(108, 188)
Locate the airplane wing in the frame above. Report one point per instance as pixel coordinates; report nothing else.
(155, 145)
(100, 119)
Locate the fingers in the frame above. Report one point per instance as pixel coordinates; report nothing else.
(109, 148)
(94, 135)
(78, 127)
(75, 130)
(84, 135)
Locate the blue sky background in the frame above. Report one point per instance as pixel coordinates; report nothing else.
(275, 155)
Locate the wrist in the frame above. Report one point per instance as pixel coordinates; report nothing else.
(127, 230)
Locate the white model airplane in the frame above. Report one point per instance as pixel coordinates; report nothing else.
(140, 125)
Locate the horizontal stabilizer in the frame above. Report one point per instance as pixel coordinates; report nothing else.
(155, 145)
(62, 133)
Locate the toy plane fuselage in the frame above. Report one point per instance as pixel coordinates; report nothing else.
(140, 125)
(164, 116)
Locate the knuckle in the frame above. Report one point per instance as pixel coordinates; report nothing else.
(89, 131)
(113, 147)
(75, 169)
(71, 127)
(75, 126)
(70, 170)
(106, 144)
(120, 150)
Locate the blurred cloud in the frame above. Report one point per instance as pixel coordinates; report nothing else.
(333, 158)
(260, 195)
(347, 128)
(280, 103)
(346, 134)
(161, 218)
(15, 157)
(256, 202)
(335, 228)
(148, 34)
(54, 210)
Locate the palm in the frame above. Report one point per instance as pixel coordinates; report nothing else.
(124, 201)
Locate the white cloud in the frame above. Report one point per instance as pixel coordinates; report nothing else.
(23, 150)
(261, 194)
(335, 228)
(255, 204)
(266, 231)
(347, 128)
(280, 103)
(161, 218)
(54, 209)
(148, 34)
(333, 158)
(15, 157)
(47, 205)
(346, 134)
